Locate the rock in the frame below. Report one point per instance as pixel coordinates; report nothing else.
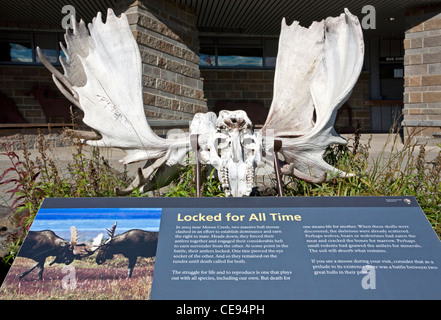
(7, 219)
(9, 226)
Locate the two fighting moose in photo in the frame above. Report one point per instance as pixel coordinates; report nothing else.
(132, 244)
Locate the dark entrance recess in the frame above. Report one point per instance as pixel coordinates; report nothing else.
(387, 111)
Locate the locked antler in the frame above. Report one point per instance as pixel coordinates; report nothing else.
(82, 250)
(316, 69)
(73, 236)
(111, 232)
(103, 77)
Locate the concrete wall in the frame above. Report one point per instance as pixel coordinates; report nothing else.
(256, 86)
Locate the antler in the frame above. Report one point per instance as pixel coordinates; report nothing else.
(96, 244)
(80, 250)
(61, 81)
(73, 236)
(111, 232)
(103, 77)
(316, 69)
(143, 176)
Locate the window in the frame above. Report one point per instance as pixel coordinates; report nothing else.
(20, 47)
(238, 52)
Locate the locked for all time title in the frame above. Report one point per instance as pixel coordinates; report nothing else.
(229, 217)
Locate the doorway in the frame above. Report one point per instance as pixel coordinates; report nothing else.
(387, 111)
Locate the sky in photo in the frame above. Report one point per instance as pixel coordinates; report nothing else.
(92, 221)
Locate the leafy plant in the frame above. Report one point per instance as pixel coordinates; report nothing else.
(24, 190)
(32, 180)
(396, 171)
(185, 185)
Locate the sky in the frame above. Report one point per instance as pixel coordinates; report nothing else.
(92, 221)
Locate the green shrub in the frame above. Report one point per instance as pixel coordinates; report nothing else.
(395, 172)
(89, 175)
(185, 185)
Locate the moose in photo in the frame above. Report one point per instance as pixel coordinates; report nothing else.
(40, 245)
(131, 244)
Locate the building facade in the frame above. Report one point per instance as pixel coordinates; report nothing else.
(201, 55)
(422, 60)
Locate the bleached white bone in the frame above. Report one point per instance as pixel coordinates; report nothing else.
(316, 69)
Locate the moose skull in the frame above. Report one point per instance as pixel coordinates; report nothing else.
(102, 72)
(234, 150)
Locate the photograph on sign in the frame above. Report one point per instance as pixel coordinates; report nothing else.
(253, 248)
(86, 253)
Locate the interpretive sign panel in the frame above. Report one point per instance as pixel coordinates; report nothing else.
(247, 248)
(298, 248)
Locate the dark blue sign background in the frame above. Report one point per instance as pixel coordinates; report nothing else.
(391, 272)
(318, 248)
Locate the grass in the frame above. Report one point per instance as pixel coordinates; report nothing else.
(394, 172)
(92, 281)
(88, 175)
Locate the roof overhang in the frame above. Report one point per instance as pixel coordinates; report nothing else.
(263, 17)
(37, 14)
(247, 17)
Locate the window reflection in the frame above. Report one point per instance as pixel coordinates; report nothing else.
(50, 54)
(238, 52)
(20, 52)
(20, 47)
(240, 57)
(207, 56)
(47, 42)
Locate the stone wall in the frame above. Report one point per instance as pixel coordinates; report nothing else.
(238, 86)
(15, 80)
(169, 45)
(422, 93)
